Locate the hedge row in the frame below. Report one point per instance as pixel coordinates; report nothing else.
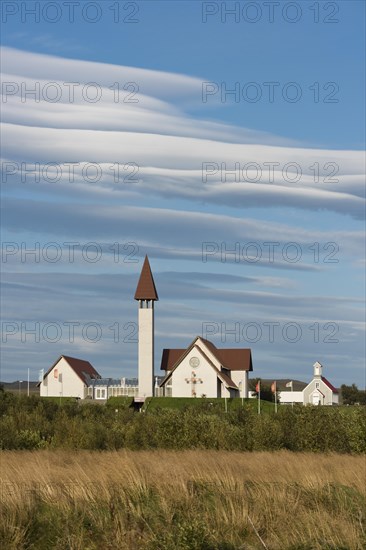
(34, 423)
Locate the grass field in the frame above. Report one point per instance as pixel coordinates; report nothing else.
(220, 403)
(199, 500)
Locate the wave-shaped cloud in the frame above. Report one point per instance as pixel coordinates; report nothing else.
(178, 156)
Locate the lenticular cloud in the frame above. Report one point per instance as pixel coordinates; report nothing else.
(59, 111)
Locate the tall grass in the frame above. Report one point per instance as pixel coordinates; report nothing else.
(193, 499)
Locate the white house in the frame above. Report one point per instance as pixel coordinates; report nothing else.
(204, 370)
(68, 377)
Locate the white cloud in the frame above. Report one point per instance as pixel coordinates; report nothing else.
(162, 211)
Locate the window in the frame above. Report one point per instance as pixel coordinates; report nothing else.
(317, 385)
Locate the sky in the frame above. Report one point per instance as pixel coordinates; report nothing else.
(225, 140)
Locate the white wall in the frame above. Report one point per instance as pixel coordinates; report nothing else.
(66, 384)
(290, 396)
(238, 376)
(146, 351)
(205, 372)
(311, 389)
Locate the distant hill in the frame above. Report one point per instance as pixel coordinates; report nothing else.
(14, 386)
(298, 385)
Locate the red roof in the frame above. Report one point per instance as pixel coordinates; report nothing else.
(146, 289)
(330, 386)
(230, 358)
(82, 368)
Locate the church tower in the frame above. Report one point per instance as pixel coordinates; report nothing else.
(146, 295)
(317, 369)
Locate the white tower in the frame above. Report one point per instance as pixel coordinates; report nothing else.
(146, 295)
(318, 369)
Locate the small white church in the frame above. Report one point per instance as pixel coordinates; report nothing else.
(200, 370)
(318, 392)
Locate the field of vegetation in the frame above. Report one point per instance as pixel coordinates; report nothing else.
(31, 423)
(180, 475)
(186, 500)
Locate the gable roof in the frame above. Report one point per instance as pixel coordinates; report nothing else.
(83, 369)
(146, 289)
(325, 381)
(229, 358)
(224, 377)
(170, 357)
(330, 386)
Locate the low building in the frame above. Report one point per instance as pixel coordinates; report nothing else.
(103, 388)
(289, 397)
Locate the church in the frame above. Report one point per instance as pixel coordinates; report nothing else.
(199, 370)
(203, 370)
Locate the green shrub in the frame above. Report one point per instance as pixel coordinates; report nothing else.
(34, 422)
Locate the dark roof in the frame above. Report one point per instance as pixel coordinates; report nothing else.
(330, 386)
(83, 369)
(236, 358)
(146, 289)
(230, 358)
(170, 357)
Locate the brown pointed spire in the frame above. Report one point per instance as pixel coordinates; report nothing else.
(146, 287)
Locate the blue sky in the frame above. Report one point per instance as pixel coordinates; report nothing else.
(180, 131)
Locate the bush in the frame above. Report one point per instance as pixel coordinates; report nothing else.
(34, 422)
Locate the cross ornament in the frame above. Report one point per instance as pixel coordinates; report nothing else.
(194, 380)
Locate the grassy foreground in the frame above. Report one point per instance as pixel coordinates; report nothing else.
(186, 500)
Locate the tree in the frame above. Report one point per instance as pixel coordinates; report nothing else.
(351, 395)
(266, 392)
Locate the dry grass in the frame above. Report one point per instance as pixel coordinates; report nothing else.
(182, 500)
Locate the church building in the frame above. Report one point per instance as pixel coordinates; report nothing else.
(203, 370)
(320, 391)
(200, 370)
